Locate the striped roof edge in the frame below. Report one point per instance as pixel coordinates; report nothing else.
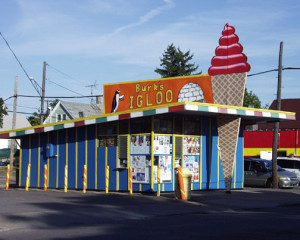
(256, 115)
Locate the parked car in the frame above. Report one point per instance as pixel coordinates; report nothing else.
(4, 162)
(291, 164)
(258, 173)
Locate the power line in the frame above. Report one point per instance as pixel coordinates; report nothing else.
(36, 86)
(31, 96)
(64, 87)
(273, 70)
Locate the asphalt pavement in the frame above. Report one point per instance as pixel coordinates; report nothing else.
(250, 213)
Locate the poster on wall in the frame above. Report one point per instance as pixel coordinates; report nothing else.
(191, 145)
(165, 163)
(192, 163)
(162, 144)
(139, 169)
(140, 144)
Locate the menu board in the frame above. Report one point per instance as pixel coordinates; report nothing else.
(140, 144)
(191, 145)
(162, 144)
(192, 163)
(165, 163)
(140, 171)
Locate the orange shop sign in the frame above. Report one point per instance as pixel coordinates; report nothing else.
(128, 96)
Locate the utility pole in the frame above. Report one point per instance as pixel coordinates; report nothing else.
(43, 94)
(14, 120)
(276, 125)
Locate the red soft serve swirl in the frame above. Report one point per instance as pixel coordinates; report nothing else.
(229, 57)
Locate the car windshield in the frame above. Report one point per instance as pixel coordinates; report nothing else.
(268, 166)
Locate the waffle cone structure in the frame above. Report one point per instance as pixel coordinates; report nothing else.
(228, 78)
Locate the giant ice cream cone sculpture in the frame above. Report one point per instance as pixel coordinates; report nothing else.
(228, 78)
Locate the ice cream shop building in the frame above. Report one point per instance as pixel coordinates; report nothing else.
(194, 122)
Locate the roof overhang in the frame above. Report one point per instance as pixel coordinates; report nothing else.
(248, 115)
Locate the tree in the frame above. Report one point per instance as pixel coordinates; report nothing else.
(34, 119)
(2, 112)
(251, 100)
(176, 63)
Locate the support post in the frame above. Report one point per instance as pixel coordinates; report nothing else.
(276, 125)
(158, 181)
(7, 176)
(45, 177)
(66, 179)
(14, 120)
(28, 177)
(130, 180)
(84, 178)
(106, 179)
(43, 93)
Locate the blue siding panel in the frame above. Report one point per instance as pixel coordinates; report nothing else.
(111, 161)
(34, 160)
(91, 157)
(71, 157)
(123, 180)
(62, 157)
(101, 168)
(81, 156)
(25, 159)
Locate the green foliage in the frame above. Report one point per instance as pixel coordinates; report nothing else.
(176, 63)
(34, 119)
(2, 112)
(251, 100)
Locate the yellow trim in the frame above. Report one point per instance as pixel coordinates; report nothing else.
(201, 156)
(39, 159)
(209, 154)
(156, 79)
(128, 155)
(67, 147)
(105, 157)
(29, 152)
(48, 164)
(152, 152)
(256, 151)
(140, 187)
(76, 157)
(117, 158)
(20, 170)
(149, 108)
(173, 154)
(57, 157)
(96, 157)
(218, 180)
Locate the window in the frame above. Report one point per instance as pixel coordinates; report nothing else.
(140, 125)
(192, 126)
(109, 128)
(61, 117)
(108, 141)
(163, 124)
(81, 115)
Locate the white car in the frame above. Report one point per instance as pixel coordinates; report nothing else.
(291, 164)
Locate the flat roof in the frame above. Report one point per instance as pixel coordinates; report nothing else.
(251, 115)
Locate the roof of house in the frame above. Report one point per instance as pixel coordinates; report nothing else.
(289, 105)
(88, 109)
(74, 108)
(21, 122)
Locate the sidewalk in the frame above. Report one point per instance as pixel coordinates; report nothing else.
(244, 199)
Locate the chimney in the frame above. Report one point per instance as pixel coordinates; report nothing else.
(98, 100)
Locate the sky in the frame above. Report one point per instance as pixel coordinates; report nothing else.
(95, 42)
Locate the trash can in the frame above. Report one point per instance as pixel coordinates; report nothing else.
(186, 178)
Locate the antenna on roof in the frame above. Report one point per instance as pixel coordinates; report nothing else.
(92, 86)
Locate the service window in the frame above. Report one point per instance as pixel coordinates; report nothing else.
(109, 128)
(140, 125)
(192, 126)
(163, 124)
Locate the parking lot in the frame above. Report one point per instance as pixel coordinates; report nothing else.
(252, 213)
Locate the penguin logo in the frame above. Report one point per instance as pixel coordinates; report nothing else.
(115, 102)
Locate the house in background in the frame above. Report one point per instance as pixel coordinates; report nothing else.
(65, 110)
(288, 137)
(21, 122)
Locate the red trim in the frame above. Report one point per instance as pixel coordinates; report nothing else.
(176, 108)
(222, 110)
(4, 135)
(39, 130)
(80, 123)
(124, 116)
(258, 114)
